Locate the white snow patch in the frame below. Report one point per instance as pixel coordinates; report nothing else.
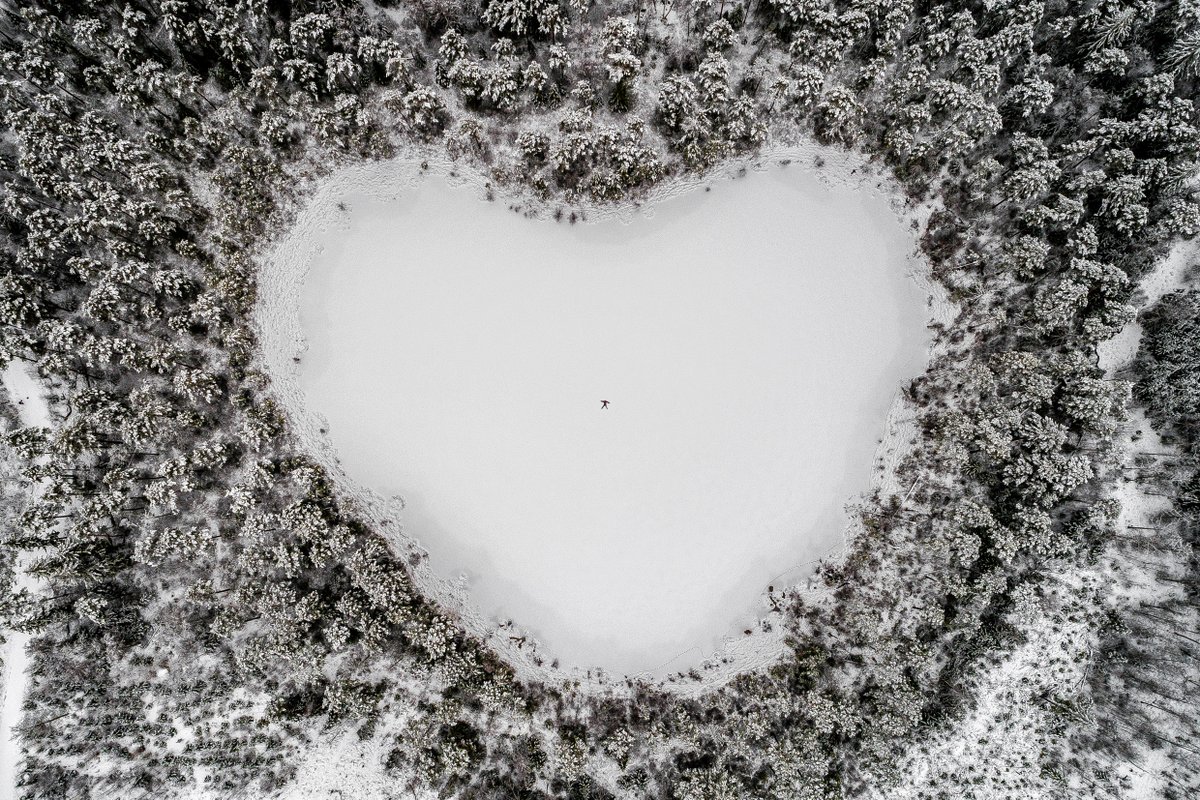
(25, 393)
(16, 662)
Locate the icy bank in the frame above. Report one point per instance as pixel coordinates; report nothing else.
(749, 339)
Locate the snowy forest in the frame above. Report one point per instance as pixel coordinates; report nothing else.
(204, 611)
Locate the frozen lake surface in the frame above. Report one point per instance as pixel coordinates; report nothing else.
(749, 341)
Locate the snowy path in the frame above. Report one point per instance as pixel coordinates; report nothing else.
(1117, 353)
(32, 410)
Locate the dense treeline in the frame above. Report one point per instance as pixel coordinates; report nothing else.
(199, 568)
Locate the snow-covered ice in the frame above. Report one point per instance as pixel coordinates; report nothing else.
(749, 339)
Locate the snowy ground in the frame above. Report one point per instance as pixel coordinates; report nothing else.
(751, 340)
(32, 409)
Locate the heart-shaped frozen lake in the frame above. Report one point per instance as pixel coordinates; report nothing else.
(749, 341)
